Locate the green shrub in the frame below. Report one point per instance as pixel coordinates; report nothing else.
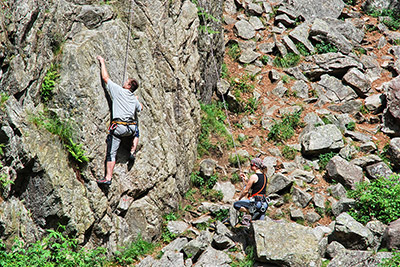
(212, 122)
(324, 47)
(172, 216)
(288, 61)
(237, 159)
(289, 152)
(221, 214)
(200, 182)
(132, 253)
(4, 179)
(235, 178)
(379, 199)
(350, 2)
(64, 130)
(211, 194)
(224, 71)
(252, 105)
(248, 261)
(392, 20)
(49, 83)
(326, 120)
(264, 59)
(234, 51)
(302, 49)
(54, 250)
(351, 126)
(325, 158)
(3, 99)
(196, 179)
(242, 138)
(394, 261)
(285, 129)
(242, 85)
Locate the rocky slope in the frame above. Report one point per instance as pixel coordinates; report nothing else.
(346, 96)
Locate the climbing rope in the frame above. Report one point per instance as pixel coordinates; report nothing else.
(127, 41)
(202, 11)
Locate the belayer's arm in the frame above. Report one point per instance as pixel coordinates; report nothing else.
(103, 71)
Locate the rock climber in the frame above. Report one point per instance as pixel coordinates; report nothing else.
(257, 203)
(125, 106)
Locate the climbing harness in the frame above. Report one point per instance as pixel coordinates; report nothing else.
(223, 98)
(258, 202)
(114, 124)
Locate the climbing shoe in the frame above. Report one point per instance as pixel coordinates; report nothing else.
(132, 156)
(104, 181)
(246, 220)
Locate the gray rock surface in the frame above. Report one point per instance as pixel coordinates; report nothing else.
(357, 258)
(351, 234)
(245, 30)
(166, 55)
(317, 8)
(344, 172)
(321, 139)
(299, 249)
(392, 235)
(328, 63)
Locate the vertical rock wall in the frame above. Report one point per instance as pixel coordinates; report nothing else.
(163, 54)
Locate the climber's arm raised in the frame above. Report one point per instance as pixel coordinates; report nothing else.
(103, 70)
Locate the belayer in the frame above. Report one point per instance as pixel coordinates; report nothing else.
(125, 106)
(256, 204)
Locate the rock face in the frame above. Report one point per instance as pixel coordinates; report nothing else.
(164, 55)
(299, 249)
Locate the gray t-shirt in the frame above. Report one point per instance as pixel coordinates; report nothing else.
(124, 103)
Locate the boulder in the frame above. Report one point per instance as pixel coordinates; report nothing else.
(213, 257)
(322, 31)
(378, 229)
(372, 68)
(337, 191)
(312, 217)
(378, 170)
(344, 172)
(333, 249)
(343, 205)
(358, 81)
(394, 152)
(286, 244)
(357, 258)
(350, 233)
(301, 88)
(391, 117)
(207, 167)
(321, 139)
(311, 9)
(296, 214)
(365, 161)
(333, 89)
(375, 103)
(328, 63)
(300, 197)
(244, 29)
(392, 235)
(176, 245)
(279, 183)
(300, 35)
(227, 189)
(248, 56)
